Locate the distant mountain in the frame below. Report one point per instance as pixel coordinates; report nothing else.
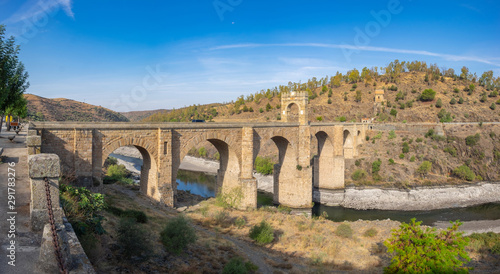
(61, 109)
(136, 116)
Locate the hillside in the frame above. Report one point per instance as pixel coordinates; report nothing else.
(137, 116)
(60, 109)
(463, 98)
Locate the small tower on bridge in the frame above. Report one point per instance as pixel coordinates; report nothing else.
(300, 99)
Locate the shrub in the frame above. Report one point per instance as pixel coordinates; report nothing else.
(429, 133)
(493, 106)
(419, 140)
(472, 140)
(439, 103)
(372, 232)
(319, 118)
(240, 222)
(202, 152)
(177, 235)
(264, 165)
(406, 147)
(461, 100)
(401, 156)
(424, 168)
(329, 101)
(391, 161)
(110, 161)
(427, 95)
(229, 199)
(376, 166)
(133, 239)
(261, 110)
(464, 172)
(237, 266)
(344, 231)
(116, 172)
(451, 150)
(425, 251)
(341, 119)
(262, 233)
(392, 134)
(453, 101)
(358, 174)
(412, 159)
(394, 112)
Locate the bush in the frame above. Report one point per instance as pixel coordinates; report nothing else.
(372, 232)
(116, 172)
(358, 174)
(451, 150)
(439, 103)
(137, 215)
(419, 140)
(425, 251)
(424, 168)
(453, 101)
(110, 161)
(392, 134)
(412, 159)
(406, 147)
(401, 156)
(391, 161)
(177, 235)
(262, 233)
(329, 101)
(264, 165)
(319, 118)
(240, 222)
(133, 239)
(427, 95)
(493, 106)
(229, 199)
(202, 152)
(461, 100)
(464, 172)
(472, 139)
(376, 166)
(344, 231)
(237, 266)
(394, 112)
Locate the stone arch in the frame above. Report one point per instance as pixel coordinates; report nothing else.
(348, 144)
(298, 98)
(292, 112)
(229, 171)
(359, 137)
(324, 161)
(149, 169)
(285, 172)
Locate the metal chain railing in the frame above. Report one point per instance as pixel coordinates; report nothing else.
(62, 268)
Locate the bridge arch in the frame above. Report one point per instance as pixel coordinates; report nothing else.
(285, 172)
(149, 169)
(348, 144)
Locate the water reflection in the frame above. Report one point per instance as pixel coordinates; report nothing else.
(198, 183)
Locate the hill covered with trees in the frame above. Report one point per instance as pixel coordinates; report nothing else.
(414, 92)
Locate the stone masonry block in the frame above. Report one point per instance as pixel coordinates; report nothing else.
(44, 165)
(32, 132)
(33, 141)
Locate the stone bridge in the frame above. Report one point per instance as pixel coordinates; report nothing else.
(83, 148)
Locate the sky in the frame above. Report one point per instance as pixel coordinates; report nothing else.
(134, 55)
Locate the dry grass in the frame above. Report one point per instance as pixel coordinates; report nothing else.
(309, 240)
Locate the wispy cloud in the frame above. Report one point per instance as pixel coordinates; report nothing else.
(449, 57)
(32, 10)
(469, 7)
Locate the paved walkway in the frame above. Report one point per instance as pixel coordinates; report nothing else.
(27, 243)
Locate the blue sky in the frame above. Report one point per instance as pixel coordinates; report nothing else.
(139, 55)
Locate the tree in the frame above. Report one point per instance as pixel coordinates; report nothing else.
(424, 168)
(439, 103)
(427, 95)
(13, 78)
(465, 73)
(358, 96)
(353, 75)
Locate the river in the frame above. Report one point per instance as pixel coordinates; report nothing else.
(203, 184)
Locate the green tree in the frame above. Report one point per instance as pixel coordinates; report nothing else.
(353, 75)
(439, 103)
(427, 95)
(418, 250)
(13, 78)
(358, 96)
(424, 168)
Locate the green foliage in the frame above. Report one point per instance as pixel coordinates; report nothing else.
(329, 101)
(401, 156)
(412, 159)
(262, 233)
(464, 172)
(133, 239)
(116, 173)
(439, 103)
(240, 222)
(202, 152)
(299, 167)
(344, 230)
(110, 161)
(485, 241)
(264, 165)
(427, 95)
(461, 100)
(83, 208)
(229, 199)
(392, 135)
(177, 234)
(319, 118)
(424, 168)
(394, 112)
(417, 250)
(376, 166)
(372, 232)
(493, 106)
(358, 97)
(444, 116)
(341, 119)
(237, 266)
(453, 101)
(419, 140)
(429, 133)
(261, 110)
(358, 174)
(268, 107)
(451, 150)
(472, 140)
(391, 161)
(406, 147)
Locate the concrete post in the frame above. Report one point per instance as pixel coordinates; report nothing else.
(44, 166)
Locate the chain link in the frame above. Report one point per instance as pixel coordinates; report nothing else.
(62, 268)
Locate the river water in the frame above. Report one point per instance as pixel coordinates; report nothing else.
(204, 184)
